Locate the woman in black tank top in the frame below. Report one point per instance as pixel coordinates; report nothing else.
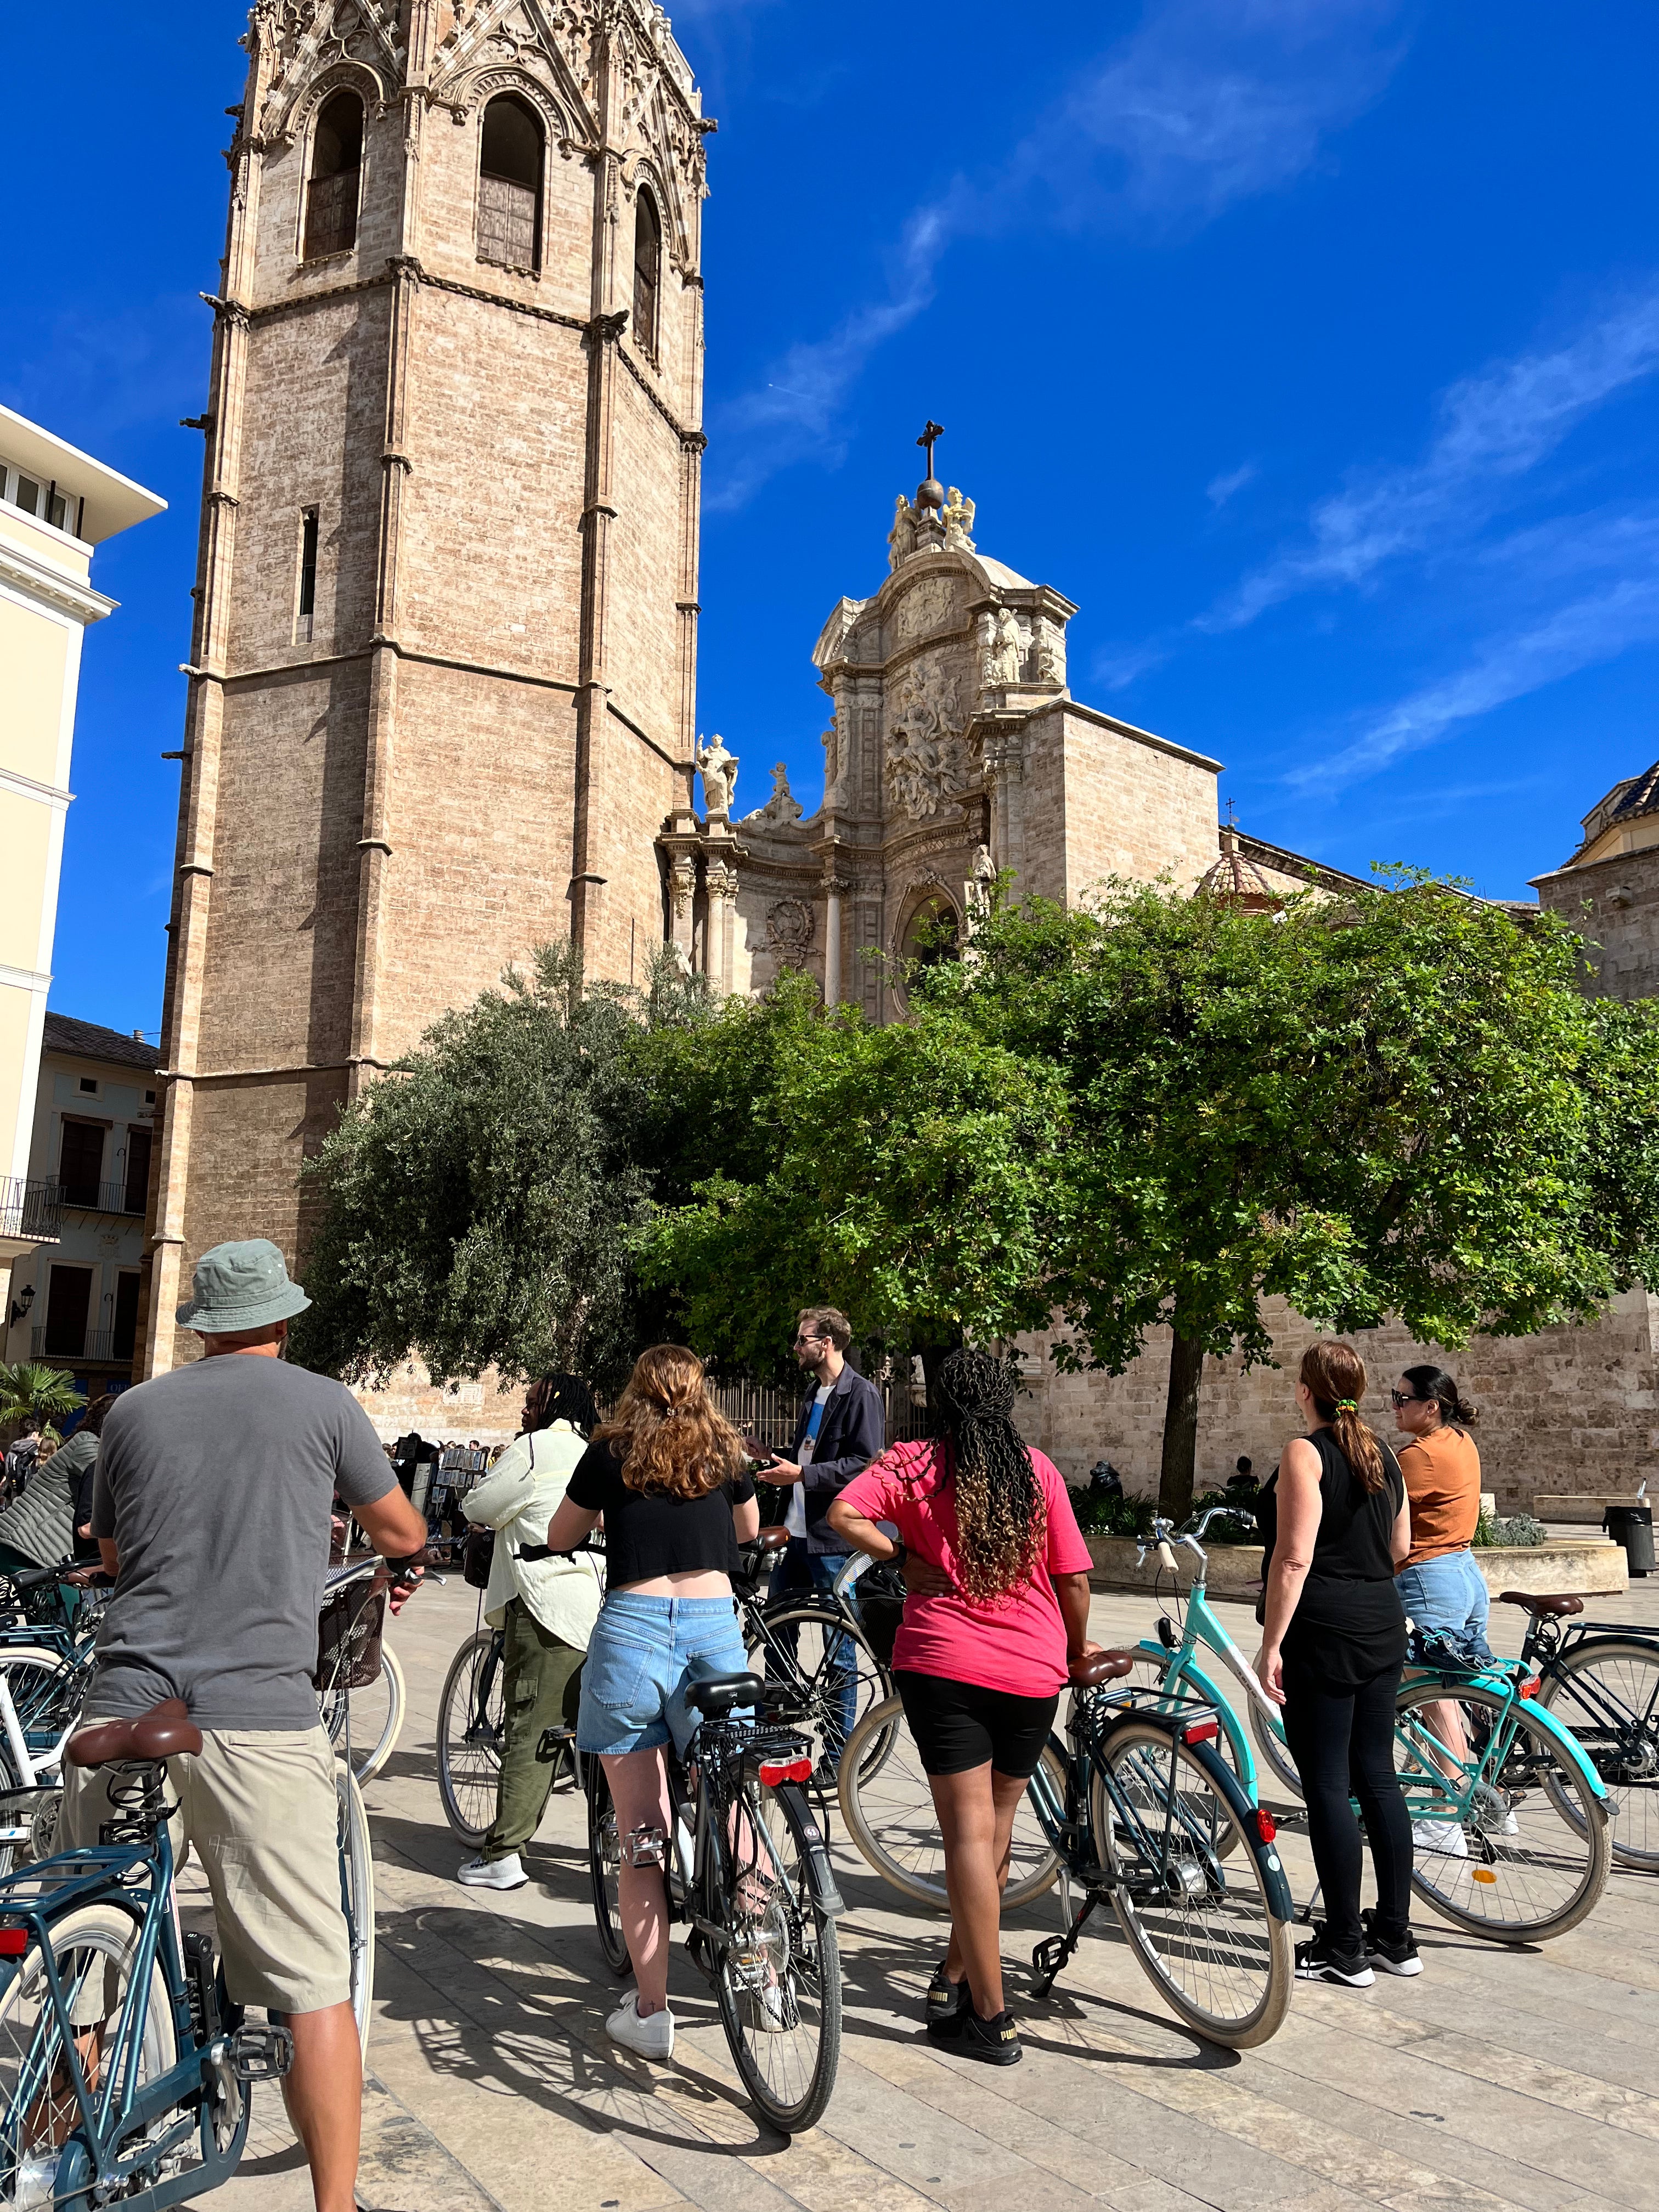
(1336, 1525)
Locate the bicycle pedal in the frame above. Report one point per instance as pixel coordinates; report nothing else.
(553, 1741)
(1049, 1956)
(261, 2054)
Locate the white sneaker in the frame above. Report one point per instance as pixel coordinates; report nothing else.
(494, 1874)
(651, 2038)
(1441, 1838)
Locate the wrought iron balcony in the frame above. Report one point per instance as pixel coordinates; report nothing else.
(30, 1209)
(98, 1346)
(102, 1197)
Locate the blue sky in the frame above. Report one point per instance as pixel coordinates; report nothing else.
(1311, 346)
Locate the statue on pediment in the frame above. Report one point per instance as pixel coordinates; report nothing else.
(958, 522)
(719, 770)
(782, 810)
(901, 537)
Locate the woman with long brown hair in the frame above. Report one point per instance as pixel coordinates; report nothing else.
(666, 1473)
(999, 1605)
(1337, 1526)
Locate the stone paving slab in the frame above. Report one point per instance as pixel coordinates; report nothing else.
(1499, 2079)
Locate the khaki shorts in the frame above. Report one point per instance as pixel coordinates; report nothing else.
(258, 1808)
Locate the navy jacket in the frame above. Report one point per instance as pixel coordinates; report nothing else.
(851, 1433)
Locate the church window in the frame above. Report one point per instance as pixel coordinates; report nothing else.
(647, 272)
(336, 163)
(928, 937)
(307, 573)
(510, 185)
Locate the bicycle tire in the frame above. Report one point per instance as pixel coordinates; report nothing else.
(31, 1810)
(888, 1809)
(1250, 1947)
(801, 1940)
(1471, 1887)
(469, 1773)
(1631, 1784)
(368, 1756)
(356, 1895)
(806, 1614)
(1150, 1673)
(29, 2035)
(604, 1871)
(1275, 1753)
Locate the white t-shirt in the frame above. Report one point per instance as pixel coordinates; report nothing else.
(795, 1519)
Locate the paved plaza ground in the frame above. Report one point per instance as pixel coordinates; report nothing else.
(1499, 2079)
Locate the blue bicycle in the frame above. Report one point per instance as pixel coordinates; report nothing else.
(123, 2068)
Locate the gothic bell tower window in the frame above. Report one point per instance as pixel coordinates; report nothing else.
(647, 272)
(510, 185)
(337, 167)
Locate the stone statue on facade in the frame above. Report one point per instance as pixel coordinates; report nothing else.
(782, 810)
(1010, 653)
(958, 522)
(1048, 652)
(719, 769)
(901, 537)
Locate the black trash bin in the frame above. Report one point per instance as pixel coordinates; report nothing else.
(1632, 1527)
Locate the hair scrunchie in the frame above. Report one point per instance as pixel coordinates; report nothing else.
(1347, 1404)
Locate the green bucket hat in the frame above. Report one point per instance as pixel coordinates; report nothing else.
(241, 1285)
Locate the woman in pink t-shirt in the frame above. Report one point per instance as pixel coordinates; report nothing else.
(983, 1655)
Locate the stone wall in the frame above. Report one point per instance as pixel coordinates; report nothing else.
(1569, 1409)
(1615, 904)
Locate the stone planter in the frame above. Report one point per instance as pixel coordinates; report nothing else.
(1569, 1567)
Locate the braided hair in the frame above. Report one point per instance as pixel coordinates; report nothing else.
(1001, 1517)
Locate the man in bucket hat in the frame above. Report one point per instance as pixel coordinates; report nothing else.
(212, 1509)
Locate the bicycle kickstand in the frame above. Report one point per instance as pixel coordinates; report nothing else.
(1051, 1953)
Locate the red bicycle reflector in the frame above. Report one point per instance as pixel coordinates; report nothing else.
(1200, 1731)
(1532, 1686)
(1266, 1827)
(773, 1770)
(13, 1942)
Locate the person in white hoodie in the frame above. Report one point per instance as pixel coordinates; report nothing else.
(546, 1606)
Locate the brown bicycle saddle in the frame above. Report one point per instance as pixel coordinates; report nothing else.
(1100, 1667)
(162, 1733)
(1558, 1607)
(772, 1539)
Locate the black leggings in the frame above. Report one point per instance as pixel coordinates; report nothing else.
(1342, 1741)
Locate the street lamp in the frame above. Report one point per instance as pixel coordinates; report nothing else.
(21, 1304)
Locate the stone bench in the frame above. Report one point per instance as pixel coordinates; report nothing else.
(1569, 1566)
(1583, 1505)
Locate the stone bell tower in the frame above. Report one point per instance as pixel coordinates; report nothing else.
(443, 670)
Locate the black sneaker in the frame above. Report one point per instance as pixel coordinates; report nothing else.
(1390, 1958)
(1316, 1963)
(946, 2002)
(993, 2042)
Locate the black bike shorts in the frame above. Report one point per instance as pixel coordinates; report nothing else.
(958, 1725)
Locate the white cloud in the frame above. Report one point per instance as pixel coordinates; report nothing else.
(1219, 490)
(1209, 102)
(1595, 627)
(1494, 428)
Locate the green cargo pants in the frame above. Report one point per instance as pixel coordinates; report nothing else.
(541, 1688)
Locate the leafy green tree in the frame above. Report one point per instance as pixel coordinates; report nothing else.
(35, 1395)
(906, 1174)
(474, 1208)
(1397, 1104)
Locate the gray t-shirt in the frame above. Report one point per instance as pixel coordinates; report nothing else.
(215, 1483)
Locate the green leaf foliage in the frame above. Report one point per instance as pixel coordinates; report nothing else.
(33, 1393)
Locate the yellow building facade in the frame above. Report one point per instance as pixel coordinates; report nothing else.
(56, 506)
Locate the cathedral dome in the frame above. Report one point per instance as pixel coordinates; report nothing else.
(1238, 880)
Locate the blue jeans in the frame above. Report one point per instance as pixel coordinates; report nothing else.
(644, 1653)
(1448, 1594)
(799, 1571)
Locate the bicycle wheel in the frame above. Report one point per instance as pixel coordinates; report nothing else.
(605, 1870)
(357, 1895)
(1275, 1752)
(93, 1951)
(888, 1806)
(1150, 1674)
(779, 1978)
(471, 1723)
(1201, 1931)
(1509, 1841)
(373, 1715)
(813, 1647)
(1606, 1692)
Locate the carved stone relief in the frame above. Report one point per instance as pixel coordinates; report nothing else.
(926, 758)
(929, 607)
(789, 931)
(782, 810)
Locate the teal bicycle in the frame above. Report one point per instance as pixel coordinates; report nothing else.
(123, 2068)
(1510, 1818)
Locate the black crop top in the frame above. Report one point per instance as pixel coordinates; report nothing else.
(646, 1534)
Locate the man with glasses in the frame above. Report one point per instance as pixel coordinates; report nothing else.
(841, 1430)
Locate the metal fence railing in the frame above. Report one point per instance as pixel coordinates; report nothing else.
(103, 1197)
(100, 1346)
(769, 1411)
(30, 1208)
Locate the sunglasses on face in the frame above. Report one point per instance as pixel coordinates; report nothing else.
(1407, 1398)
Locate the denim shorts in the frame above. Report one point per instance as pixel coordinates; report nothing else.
(643, 1654)
(1447, 1592)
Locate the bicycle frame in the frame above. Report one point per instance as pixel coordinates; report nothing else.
(138, 1879)
(1201, 1625)
(1502, 1682)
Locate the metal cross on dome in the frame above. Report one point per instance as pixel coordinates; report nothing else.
(933, 430)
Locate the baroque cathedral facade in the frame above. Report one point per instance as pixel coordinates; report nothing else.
(442, 703)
